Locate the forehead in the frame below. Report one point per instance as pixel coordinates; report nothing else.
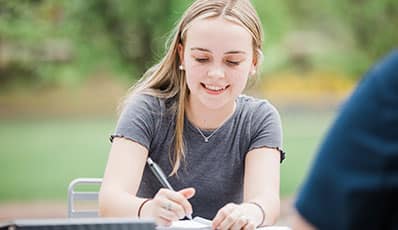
(218, 34)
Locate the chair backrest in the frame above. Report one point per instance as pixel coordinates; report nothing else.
(75, 196)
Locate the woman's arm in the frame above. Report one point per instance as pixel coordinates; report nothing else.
(261, 184)
(121, 179)
(261, 202)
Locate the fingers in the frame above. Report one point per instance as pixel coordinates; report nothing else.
(231, 217)
(163, 222)
(180, 203)
(249, 226)
(232, 220)
(221, 215)
(169, 211)
(187, 192)
(171, 206)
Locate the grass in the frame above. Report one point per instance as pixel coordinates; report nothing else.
(38, 158)
(303, 132)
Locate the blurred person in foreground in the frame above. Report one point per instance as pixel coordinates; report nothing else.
(354, 179)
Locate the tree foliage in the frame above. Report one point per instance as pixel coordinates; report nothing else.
(64, 41)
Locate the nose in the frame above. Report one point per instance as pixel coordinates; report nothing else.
(216, 72)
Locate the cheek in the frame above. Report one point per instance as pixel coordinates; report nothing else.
(195, 72)
(192, 77)
(239, 80)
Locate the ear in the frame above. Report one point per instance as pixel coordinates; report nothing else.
(181, 53)
(253, 66)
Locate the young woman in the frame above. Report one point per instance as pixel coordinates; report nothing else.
(220, 149)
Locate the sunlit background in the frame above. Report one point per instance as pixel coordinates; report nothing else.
(64, 66)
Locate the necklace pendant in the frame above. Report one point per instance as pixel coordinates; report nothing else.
(206, 139)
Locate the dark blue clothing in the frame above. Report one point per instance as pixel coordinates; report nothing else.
(353, 183)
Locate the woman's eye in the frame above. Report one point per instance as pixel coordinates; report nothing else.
(201, 60)
(233, 62)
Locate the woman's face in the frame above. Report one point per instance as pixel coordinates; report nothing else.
(217, 58)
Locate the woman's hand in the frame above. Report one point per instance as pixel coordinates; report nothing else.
(168, 206)
(232, 216)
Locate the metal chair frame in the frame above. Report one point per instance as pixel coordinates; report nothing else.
(74, 196)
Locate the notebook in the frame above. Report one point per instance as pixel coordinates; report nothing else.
(199, 223)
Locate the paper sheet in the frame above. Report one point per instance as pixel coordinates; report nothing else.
(199, 223)
(196, 223)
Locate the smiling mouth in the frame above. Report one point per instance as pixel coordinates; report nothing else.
(215, 89)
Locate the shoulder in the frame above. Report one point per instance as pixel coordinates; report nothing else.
(388, 67)
(145, 102)
(384, 75)
(257, 108)
(381, 80)
(259, 115)
(262, 122)
(142, 99)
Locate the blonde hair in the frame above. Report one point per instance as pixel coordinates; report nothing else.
(165, 79)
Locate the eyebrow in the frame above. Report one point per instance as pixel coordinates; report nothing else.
(229, 52)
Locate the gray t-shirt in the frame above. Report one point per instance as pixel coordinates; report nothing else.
(216, 168)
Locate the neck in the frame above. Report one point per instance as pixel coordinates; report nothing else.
(207, 118)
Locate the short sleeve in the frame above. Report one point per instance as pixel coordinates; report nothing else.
(139, 119)
(266, 128)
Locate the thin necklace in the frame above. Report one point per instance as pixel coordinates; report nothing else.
(206, 138)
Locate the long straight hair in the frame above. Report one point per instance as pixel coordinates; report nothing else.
(165, 79)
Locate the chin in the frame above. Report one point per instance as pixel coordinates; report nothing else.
(215, 104)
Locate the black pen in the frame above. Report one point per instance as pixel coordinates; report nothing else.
(161, 176)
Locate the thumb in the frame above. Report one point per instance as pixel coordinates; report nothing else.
(187, 192)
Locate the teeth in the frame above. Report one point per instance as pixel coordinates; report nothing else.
(215, 88)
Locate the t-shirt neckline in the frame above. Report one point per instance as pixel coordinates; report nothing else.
(222, 126)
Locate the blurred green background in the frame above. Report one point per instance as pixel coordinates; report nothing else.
(65, 64)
